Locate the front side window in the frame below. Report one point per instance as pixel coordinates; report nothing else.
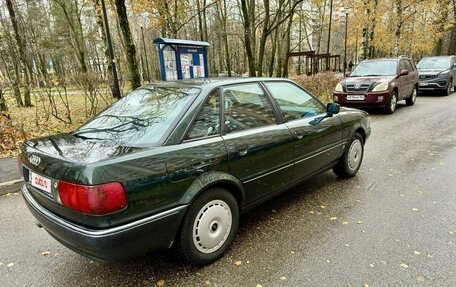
(141, 118)
(246, 107)
(294, 102)
(207, 123)
(409, 66)
(401, 65)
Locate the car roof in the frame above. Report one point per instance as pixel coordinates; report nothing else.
(204, 83)
(384, 59)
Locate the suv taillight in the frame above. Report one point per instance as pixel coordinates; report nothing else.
(93, 199)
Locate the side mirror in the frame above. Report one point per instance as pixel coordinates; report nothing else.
(404, 73)
(332, 109)
(347, 74)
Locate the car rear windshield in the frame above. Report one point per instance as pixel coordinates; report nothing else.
(140, 119)
(375, 68)
(434, 63)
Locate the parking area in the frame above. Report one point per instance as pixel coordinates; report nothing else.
(392, 224)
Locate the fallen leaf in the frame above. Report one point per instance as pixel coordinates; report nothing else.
(360, 222)
(259, 285)
(420, 278)
(207, 282)
(333, 218)
(345, 222)
(371, 265)
(405, 266)
(322, 206)
(45, 253)
(238, 262)
(283, 278)
(160, 283)
(311, 212)
(416, 252)
(10, 264)
(450, 232)
(415, 209)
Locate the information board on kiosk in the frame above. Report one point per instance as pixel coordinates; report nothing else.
(182, 59)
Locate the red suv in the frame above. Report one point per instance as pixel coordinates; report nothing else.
(379, 83)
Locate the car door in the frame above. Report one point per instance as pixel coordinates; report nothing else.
(403, 82)
(260, 152)
(453, 70)
(316, 145)
(412, 76)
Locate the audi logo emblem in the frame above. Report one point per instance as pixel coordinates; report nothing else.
(34, 159)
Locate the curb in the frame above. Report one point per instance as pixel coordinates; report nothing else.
(11, 186)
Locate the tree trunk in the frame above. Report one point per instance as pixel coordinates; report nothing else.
(288, 42)
(102, 32)
(397, 34)
(273, 53)
(248, 12)
(22, 53)
(3, 106)
(129, 45)
(452, 45)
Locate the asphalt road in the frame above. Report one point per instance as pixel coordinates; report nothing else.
(391, 225)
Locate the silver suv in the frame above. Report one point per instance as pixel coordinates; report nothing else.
(437, 74)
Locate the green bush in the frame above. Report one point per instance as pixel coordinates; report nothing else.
(321, 85)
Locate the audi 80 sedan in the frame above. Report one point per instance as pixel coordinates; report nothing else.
(176, 163)
(379, 83)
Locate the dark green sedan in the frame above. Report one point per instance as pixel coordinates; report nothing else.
(176, 163)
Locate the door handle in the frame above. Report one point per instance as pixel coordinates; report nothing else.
(242, 149)
(298, 135)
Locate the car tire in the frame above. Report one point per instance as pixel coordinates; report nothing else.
(352, 158)
(410, 101)
(447, 91)
(209, 227)
(391, 106)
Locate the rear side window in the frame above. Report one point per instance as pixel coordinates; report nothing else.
(207, 123)
(294, 102)
(246, 107)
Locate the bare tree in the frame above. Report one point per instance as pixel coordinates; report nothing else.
(22, 53)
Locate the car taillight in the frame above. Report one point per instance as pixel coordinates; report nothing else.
(96, 199)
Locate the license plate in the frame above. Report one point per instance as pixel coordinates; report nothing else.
(355, 97)
(40, 182)
(424, 84)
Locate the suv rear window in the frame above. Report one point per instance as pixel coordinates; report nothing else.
(141, 118)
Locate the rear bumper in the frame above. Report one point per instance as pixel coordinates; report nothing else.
(116, 243)
(371, 99)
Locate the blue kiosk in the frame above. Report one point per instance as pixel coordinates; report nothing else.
(182, 59)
